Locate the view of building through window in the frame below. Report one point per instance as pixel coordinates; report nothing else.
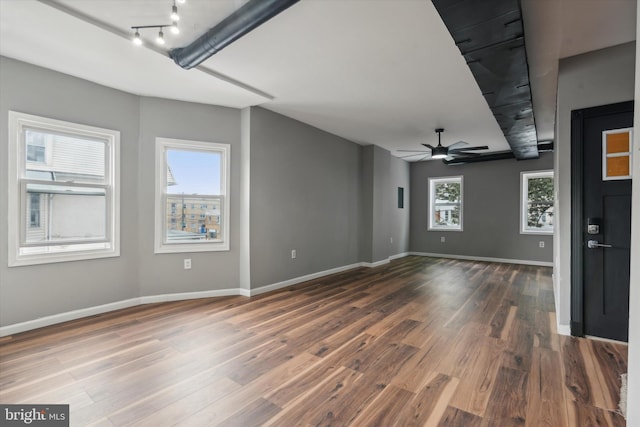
(193, 195)
(187, 214)
(64, 182)
(447, 203)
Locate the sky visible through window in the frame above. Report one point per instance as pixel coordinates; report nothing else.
(195, 172)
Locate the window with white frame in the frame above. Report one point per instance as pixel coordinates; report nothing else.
(536, 209)
(445, 203)
(63, 191)
(192, 196)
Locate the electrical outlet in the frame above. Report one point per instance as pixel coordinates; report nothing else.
(541, 244)
(187, 264)
(293, 254)
(443, 239)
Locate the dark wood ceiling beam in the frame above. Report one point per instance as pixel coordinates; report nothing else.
(490, 36)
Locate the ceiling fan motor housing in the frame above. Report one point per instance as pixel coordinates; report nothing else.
(439, 152)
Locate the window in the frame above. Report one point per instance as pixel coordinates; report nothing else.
(192, 174)
(445, 203)
(617, 154)
(536, 194)
(400, 198)
(36, 147)
(63, 191)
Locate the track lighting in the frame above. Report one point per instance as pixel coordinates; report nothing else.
(160, 38)
(174, 12)
(136, 38)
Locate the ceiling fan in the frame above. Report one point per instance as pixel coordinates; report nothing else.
(450, 152)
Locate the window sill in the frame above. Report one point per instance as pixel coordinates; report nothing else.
(16, 260)
(177, 248)
(537, 233)
(444, 229)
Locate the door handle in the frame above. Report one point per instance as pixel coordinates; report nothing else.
(593, 244)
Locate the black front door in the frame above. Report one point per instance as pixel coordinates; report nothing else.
(601, 232)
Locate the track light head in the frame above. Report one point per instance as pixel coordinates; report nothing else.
(136, 38)
(174, 13)
(160, 39)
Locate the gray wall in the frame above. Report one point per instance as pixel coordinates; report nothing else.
(491, 211)
(164, 273)
(596, 78)
(304, 189)
(305, 195)
(30, 292)
(385, 227)
(366, 204)
(382, 205)
(399, 176)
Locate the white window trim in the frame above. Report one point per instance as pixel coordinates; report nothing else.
(16, 155)
(524, 194)
(432, 183)
(162, 145)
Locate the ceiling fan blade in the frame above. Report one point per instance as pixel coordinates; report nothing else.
(412, 155)
(414, 151)
(457, 144)
(466, 150)
(459, 154)
(429, 146)
(479, 147)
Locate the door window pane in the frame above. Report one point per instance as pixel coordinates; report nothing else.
(616, 154)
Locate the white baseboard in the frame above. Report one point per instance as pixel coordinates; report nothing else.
(400, 255)
(300, 279)
(564, 329)
(65, 317)
(193, 295)
(104, 308)
(488, 259)
(375, 264)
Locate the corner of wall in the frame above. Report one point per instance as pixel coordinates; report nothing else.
(245, 199)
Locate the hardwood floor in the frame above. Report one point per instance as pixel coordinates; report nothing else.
(421, 341)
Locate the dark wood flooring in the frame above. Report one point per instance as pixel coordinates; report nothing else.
(420, 341)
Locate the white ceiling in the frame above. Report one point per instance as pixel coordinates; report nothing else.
(382, 72)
